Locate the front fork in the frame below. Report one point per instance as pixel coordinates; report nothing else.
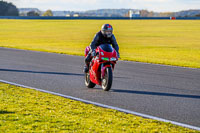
(103, 69)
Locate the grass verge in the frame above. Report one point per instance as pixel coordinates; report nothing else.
(154, 41)
(27, 110)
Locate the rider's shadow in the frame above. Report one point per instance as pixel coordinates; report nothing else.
(41, 72)
(154, 93)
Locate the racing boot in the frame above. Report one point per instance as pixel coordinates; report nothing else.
(86, 69)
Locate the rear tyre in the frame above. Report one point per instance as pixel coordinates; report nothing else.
(107, 79)
(88, 83)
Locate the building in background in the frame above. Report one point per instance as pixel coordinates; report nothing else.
(28, 11)
(136, 14)
(76, 15)
(133, 13)
(67, 15)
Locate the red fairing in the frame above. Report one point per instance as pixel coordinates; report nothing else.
(94, 73)
(98, 65)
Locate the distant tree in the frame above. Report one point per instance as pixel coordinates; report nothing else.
(33, 13)
(144, 13)
(48, 13)
(150, 14)
(116, 15)
(198, 15)
(126, 15)
(8, 9)
(22, 14)
(166, 14)
(106, 15)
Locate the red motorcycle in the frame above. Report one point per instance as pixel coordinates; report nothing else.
(101, 67)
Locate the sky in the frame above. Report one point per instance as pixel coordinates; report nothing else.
(83, 5)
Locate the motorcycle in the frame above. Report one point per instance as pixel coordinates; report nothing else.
(101, 67)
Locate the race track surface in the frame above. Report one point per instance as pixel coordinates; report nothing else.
(172, 93)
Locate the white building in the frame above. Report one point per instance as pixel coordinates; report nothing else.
(133, 14)
(67, 15)
(76, 15)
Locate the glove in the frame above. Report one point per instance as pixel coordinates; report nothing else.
(118, 55)
(93, 53)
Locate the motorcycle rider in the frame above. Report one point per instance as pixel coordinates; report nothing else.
(104, 36)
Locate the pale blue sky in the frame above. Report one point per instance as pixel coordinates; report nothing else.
(82, 5)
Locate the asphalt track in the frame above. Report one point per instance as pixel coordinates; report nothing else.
(171, 93)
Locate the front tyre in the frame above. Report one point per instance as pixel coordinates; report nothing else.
(107, 79)
(88, 83)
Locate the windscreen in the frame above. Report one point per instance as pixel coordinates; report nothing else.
(106, 47)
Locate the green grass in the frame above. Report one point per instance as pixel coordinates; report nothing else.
(154, 41)
(26, 110)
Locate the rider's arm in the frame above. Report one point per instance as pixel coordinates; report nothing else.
(94, 42)
(114, 44)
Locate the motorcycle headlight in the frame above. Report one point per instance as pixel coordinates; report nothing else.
(104, 58)
(113, 59)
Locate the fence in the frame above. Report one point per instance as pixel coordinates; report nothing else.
(100, 18)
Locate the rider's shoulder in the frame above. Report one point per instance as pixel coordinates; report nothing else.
(113, 36)
(99, 33)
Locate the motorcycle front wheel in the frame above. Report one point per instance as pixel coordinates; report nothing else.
(88, 82)
(107, 79)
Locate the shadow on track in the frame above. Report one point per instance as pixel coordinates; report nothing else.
(56, 73)
(155, 93)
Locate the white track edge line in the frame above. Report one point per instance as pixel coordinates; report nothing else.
(105, 106)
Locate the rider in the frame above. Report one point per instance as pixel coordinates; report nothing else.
(105, 36)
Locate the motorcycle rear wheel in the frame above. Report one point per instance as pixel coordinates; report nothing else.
(107, 79)
(88, 82)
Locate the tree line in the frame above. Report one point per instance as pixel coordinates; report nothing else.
(36, 13)
(8, 9)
